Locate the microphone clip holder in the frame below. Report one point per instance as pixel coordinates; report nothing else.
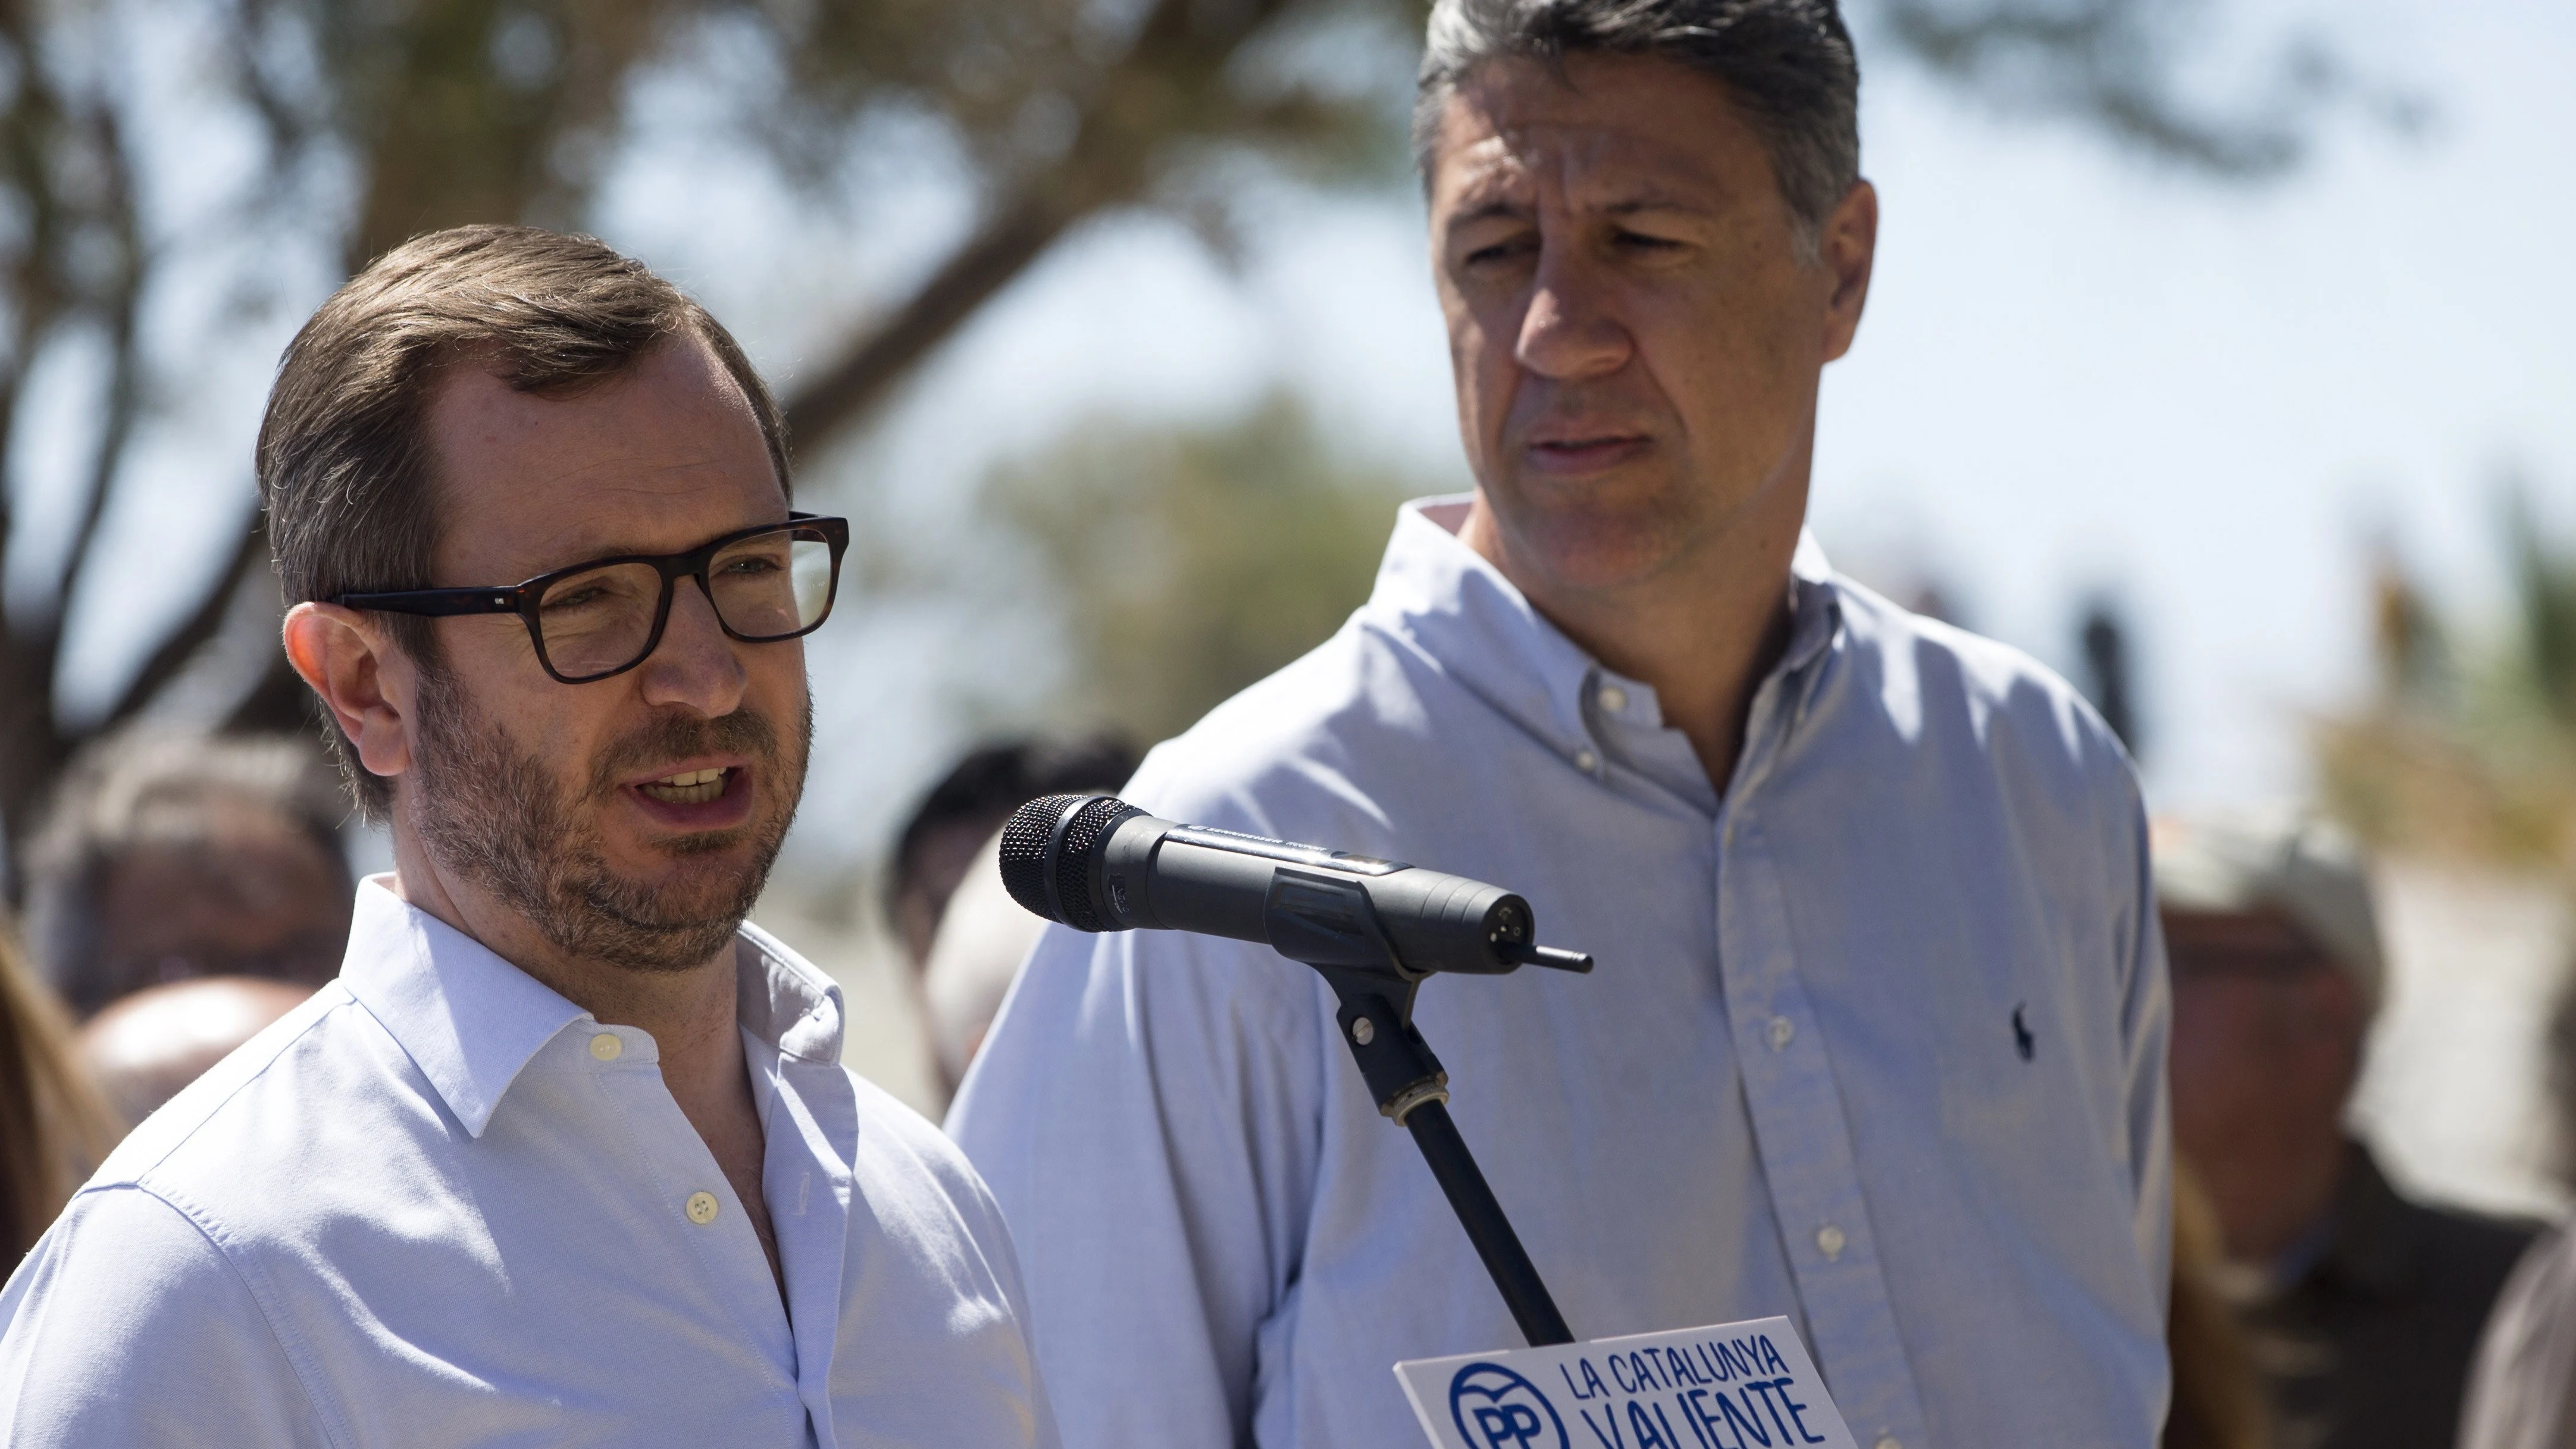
(1329, 924)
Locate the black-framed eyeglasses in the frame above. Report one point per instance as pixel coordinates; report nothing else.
(768, 583)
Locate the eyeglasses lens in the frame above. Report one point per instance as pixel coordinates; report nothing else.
(769, 586)
(772, 586)
(599, 620)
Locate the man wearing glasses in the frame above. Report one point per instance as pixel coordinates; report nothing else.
(566, 1154)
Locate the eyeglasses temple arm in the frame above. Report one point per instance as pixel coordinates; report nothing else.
(436, 603)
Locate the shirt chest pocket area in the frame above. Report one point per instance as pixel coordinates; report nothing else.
(2029, 1061)
(2000, 1045)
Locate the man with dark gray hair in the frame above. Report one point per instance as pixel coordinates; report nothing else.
(1877, 1040)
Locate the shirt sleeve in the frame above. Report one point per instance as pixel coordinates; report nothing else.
(126, 1325)
(2522, 1389)
(2146, 1035)
(1147, 1111)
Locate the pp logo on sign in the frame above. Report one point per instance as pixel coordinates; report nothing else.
(1495, 1408)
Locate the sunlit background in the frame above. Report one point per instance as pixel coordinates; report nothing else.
(2235, 330)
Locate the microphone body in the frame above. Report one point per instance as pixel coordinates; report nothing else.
(1099, 864)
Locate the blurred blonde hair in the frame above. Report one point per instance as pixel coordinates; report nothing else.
(2219, 1400)
(54, 1127)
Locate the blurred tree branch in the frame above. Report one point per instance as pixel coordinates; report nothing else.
(1171, 90)
(2116, 65)
(73, 260)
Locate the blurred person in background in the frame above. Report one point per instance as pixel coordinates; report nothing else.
(962, 932)
(565, 1153)
(2522, 1393)
(167, 857)
(2366, 1306)
(2219, 1399)
(963, 812)
(1878, 1035)
(53, 1128)
(144, 1047)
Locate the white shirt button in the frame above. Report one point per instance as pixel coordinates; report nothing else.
(1781, 1031)
(606, 1046)
(1829, 1241)
(702, 1208)
(1586, 761)
(1613, 698)
(1887, 1441)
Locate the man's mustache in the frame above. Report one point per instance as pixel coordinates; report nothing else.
(1586, 412)
(679, 736)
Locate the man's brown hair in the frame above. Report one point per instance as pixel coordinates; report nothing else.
(344, 460)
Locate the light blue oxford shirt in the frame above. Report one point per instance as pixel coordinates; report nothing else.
(1876, 1041)
(441, 1204)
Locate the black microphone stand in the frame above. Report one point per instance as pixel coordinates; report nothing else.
(1343, 942)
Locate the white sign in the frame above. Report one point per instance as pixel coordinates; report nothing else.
(1731, 1386)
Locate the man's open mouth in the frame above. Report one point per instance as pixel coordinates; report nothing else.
(689, 787)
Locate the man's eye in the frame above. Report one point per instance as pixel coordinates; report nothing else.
(1496, 252)
(1639, 241)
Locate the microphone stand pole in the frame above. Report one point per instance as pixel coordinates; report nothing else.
(1377, 1025)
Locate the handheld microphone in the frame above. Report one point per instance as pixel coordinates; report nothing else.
(1097, 863)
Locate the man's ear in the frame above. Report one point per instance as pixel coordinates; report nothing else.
(1847, 247)
(365, 680)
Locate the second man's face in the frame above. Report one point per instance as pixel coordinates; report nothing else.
(1635, 330)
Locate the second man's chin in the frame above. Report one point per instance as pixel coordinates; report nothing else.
(1576, 553)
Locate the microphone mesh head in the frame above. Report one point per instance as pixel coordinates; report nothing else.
(1073, 863)
(1024, 843)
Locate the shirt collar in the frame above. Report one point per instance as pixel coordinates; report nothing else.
(1457, 607)
(785, 1000)
(472, 1022)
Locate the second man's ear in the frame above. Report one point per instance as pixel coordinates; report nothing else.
(1847, 247)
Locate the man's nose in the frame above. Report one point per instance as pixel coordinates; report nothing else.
(1569, 330)
(695, 664)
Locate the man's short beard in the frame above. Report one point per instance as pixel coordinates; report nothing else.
(504, 821)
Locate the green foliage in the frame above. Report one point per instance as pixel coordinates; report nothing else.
(2469, 750)
(1190, 563)
(2545, 584)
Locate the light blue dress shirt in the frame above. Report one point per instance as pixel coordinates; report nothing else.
(1876, 1041)
(440, 1204)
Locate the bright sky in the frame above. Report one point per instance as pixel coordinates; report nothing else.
(2079, 373)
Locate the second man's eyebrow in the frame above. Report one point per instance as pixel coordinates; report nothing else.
(1507, 210)
(1654, 201)
(1497, 210)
